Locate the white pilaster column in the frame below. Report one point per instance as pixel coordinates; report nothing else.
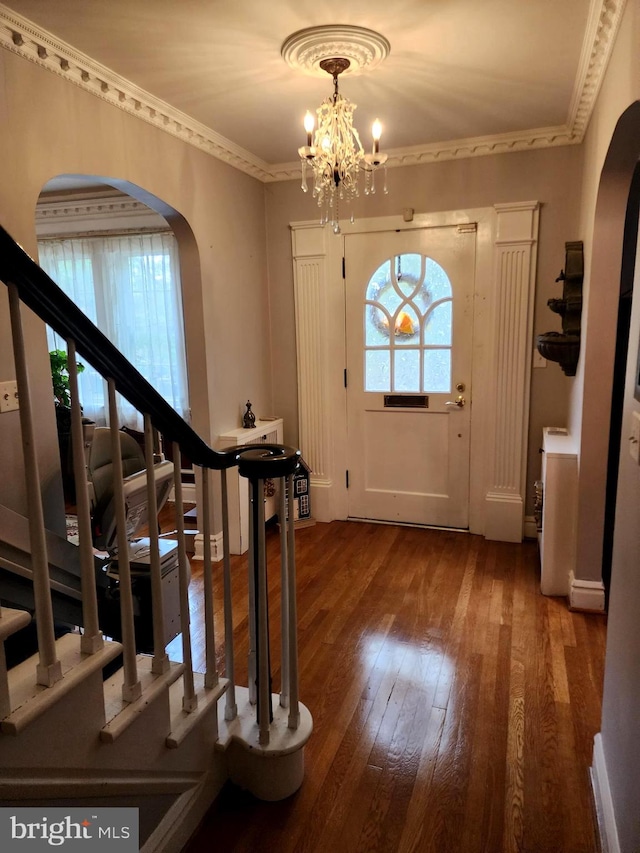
(515, 252)
(310, 286)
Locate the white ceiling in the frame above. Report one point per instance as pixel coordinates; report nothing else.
(458, 69)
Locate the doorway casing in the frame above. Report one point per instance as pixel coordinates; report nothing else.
(506, 251)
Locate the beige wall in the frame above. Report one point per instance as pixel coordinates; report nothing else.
(591, 390)
(612, 148)
(551, 176)
(49, 127)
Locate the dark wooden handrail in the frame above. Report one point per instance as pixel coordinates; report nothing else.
(43, 296)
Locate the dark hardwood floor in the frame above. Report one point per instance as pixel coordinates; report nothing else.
(454, 706)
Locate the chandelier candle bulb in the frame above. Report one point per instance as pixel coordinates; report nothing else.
(376, 132)
(309, 124)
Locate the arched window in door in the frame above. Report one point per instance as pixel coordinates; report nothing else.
(407, 322)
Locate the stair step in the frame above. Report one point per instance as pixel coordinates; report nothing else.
(44, 783)
(182, 722)
(30, 700)
(120, 714)
(12, 621)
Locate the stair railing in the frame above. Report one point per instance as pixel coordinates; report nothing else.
(28, 284)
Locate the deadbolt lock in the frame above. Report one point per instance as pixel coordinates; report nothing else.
(460, 387)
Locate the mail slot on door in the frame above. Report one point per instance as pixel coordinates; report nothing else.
(406, 401)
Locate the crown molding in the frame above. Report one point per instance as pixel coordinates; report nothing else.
(600, 36)
(68, 214)
(95, 206)
(26, 39)
(458, 149)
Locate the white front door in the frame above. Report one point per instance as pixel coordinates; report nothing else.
(409, 297)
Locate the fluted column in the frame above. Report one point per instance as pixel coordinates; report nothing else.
(310, 286)
(514, 286)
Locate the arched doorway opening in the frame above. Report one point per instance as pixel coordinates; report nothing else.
(630, 241)
(594, 396)
(94, 209)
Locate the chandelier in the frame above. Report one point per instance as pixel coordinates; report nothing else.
(334, 157)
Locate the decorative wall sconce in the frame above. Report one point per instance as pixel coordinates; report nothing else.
(564, 347)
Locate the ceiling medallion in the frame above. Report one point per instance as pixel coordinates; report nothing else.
(306, 49)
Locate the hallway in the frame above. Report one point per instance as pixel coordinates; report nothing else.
(454, 706)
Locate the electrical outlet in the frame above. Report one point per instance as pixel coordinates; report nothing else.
(8, 396)
(634, 438)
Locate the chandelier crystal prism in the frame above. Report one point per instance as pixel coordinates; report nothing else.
(334, 157)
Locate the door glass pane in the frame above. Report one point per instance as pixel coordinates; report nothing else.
(406, 374)
(407, 307)
(390, 298)
(438, 325)
(380, 277)
(437, 371)
(377, 370)
(437, 281)
(376, 326)
(406, 327)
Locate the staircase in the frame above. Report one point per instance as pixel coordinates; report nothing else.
(88, 720)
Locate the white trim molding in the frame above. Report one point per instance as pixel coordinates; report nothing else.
(30, 41)
(310, 286)
(514, 288)
(586, 595)
(506, 251)
(96, 212)
(217, 542)
(604, 801)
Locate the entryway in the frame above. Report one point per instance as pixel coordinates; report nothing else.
(409, 342)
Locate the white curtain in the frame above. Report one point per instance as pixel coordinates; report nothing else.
(129, 286)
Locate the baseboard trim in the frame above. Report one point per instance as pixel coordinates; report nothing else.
(604, 801)
(503, 517)
(216, 547)
(322, 497)
(188, 493)
(586, 595)
(185, 815)
(530, 527)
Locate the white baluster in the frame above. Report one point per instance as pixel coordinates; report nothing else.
(160, 662)
(92, 640)
(260, 558)
(294, 710)
(211, 672)
(231, 708)
(252, 660)
(284, 600)
(49, 669)
(5, 699)
(189, 698)
(131, 688)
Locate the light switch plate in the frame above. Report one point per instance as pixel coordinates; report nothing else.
(8, 396)
(634, 438)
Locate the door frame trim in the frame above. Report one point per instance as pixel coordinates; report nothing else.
(506, 249)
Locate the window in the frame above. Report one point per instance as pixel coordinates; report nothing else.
(408, 322)
(129, 286)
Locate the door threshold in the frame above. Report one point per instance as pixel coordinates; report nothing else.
(409, 524)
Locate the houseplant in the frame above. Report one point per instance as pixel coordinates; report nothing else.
(60, 377)
(62, 398)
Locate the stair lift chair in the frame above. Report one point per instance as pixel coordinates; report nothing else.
(104, 528)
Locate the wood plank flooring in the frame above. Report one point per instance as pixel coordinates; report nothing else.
(454, 706)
